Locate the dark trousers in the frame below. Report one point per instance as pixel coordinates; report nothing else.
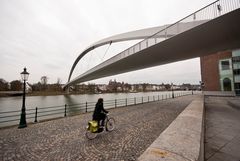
(101, 117)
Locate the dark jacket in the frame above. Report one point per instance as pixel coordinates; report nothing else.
(99, 111)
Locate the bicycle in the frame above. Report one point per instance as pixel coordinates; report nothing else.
(93, 129)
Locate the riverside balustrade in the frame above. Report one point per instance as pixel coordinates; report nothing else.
(52, 112)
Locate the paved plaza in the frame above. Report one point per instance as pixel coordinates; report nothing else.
(222, 137)
(63, 139)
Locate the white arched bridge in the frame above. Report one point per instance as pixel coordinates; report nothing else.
(213, 28)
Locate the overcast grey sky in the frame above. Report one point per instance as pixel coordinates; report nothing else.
(47, 36)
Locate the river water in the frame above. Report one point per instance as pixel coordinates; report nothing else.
(15, 103)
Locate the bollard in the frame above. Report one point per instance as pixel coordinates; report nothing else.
(86, 107)
(158, 97)
(162, 97)
(148, 98)
(65, 111)
(153, 98)
(115, 103)
(134, 100)
(36, 115)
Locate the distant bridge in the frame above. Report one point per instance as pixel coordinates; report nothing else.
(213, 28)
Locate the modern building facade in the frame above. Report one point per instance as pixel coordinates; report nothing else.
(221, 71)
(236, 70)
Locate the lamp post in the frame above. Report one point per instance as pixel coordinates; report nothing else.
(23, 122)
(172, 90)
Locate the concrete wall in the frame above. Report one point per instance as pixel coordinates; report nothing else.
(183, 139)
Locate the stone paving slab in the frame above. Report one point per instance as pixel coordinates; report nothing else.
(181, 141)
(63, 139)
(222, 135)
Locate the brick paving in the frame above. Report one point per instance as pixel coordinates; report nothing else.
(64, 139)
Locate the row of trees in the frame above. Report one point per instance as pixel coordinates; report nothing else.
(15, 85)
(42, 85)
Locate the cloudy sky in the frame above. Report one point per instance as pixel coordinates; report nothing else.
(47, 36)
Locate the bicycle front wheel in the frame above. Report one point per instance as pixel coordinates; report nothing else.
(110, 124)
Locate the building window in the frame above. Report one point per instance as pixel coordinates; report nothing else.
(225, 65)
(236, 71)
(227, 84)
(236, 59)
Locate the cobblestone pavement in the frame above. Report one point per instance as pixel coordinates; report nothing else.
(64, 139)
(222, 135)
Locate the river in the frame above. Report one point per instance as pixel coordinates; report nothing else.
(15, 103)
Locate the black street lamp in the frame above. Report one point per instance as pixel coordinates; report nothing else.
(23, 122)
(172, 91)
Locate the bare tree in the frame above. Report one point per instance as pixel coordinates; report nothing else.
(3, 85)
(59, 81)
(58, 85)
(16, 85)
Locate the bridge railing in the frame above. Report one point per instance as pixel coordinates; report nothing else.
(37, 114)
(205, 14)
(209, 12)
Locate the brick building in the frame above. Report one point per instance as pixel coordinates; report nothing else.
(221, 71)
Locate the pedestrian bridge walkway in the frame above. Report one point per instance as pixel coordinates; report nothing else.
(209, 30)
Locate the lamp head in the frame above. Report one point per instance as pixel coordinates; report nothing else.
(24, 74)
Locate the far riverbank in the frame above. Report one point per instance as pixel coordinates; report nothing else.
(56, 93)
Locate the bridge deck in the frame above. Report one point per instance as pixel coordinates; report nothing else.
(63, 139)
(216, 35)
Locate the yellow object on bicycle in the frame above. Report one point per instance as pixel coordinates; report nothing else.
(93, 126)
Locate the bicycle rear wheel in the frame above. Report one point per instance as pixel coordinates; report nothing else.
(90, 135)
(110, 124)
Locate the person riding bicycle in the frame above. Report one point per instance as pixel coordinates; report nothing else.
(99, 112)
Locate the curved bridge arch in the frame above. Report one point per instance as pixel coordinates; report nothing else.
(217, 29)
(135, 35)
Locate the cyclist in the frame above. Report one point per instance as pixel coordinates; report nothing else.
(99, 113)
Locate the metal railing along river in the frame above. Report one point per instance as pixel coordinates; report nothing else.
(38, 114)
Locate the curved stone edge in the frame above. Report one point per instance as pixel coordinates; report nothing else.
(183, 139)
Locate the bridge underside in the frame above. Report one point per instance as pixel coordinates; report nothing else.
(222, 33)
